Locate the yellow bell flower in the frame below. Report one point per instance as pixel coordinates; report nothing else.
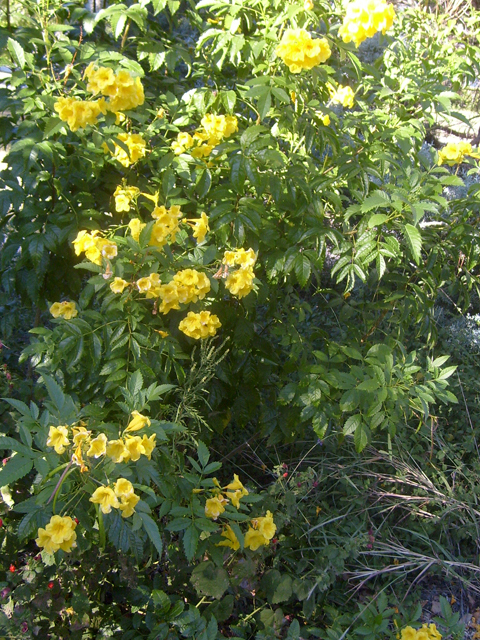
(231, 539)
(57, 438)
(138, 421)
(106, 498)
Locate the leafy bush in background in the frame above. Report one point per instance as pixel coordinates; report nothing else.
(217, 185)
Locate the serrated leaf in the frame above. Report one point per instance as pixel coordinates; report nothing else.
(360, 438)
(414, 241)
(203, 453)
(190, 541)
(16, 51)
(54, 391)
(153, 533)
(135, 384)
(16, 468)
(376, 199)
(376, 220)
(352, 424)
(303, 269)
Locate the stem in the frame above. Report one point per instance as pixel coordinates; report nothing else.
(59, 484)
(125, 33)
(101, 528)
(66, 473)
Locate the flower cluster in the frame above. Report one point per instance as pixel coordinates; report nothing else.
(118, 450)
(136, 148)
(124, 196)
(260, 532)
(341, 95)
(299, 50)
(122, 497)
(364, 18)
(94, 246)
(165, 229)
(455, 152)
(58, 534)
(66, 309)
(200, 325)
(213, 130)
(214, 507)
(78, 113)
(240, 282)
(427, 632)
(187, 286)
(123, 91)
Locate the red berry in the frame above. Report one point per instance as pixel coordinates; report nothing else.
(285, 475)
(76, 520)
(12, 568)
(50, 585)
(1, 522)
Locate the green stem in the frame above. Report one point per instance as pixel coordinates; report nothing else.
(101, 527)
(56, 491)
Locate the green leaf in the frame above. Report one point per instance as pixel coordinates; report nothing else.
(303, 269)
(414, 242)
(190, 541)
(54, 391)
(16, 51)
(376, 220)
(135, 384)
(202, 453)
(16, 468)
(209, 580)
(376, 199)
(352, 424)
(153, 533)
(360, 438)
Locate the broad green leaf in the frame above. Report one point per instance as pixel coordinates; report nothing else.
(209, 580)
(153, 533)
(16, 468)
(414, 241)
(376, 199)
(376, 220)
(16, 51)
(360, 438)
(190, 541)
(352, 424)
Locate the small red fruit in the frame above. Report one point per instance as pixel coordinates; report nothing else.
(1, 522)
(76, 520)
(50, 585)
(285, 475)
(12, 568)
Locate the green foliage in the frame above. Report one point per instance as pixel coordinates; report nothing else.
(335, 344)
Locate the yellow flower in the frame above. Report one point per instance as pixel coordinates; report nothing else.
(118, 285)
(231, 539)
(79, 113)
(266, 526)
(432, 631)
(148, 445)
(137, 422)
(136, 226)
(200, 227)
(363, 18)
(123, 488)
(80, 435)
(341, 95)
(409, 633)
(134, 446)
(455, 152)
(235, 484)
(66, 309)
(124, 196)
(58, 534)
(57, 438)
(299, 50)
(106, 498)
(127, 505)
(240, 283)
(60, 529)
(45, 540)
(236, 491)
(254, 539)
(117, 451)
(135, 144)
(183, 142)
(98, 446)
(200, 325)
(108, 250)
(144, 284)
(325, 120)
(214, 507)
(308, 5)
(240, 257)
